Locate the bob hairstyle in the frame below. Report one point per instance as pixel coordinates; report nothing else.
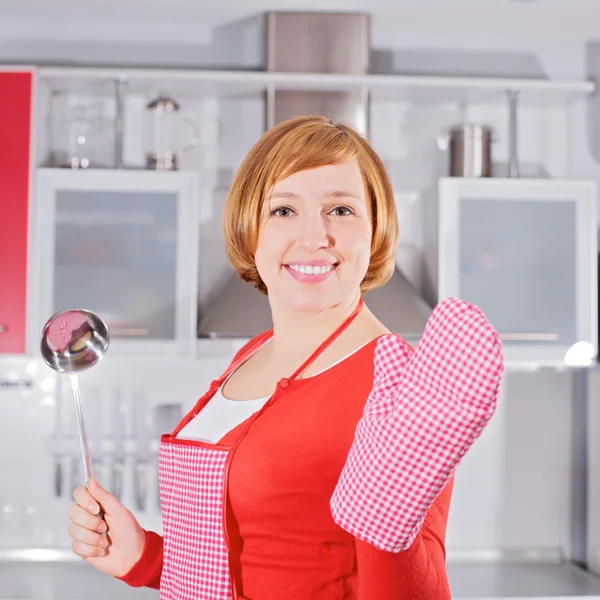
(296, 145)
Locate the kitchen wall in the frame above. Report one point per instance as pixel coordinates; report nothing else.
(513, 491)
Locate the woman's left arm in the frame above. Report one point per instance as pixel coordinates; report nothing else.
(424, 412)
(418, 573)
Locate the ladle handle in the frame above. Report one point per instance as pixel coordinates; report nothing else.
(83, 440)
(88, 470)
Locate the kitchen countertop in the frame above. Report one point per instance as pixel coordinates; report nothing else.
(519, 581)
(64, 581)
(76, 580)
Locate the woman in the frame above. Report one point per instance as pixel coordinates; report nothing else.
(318, 465)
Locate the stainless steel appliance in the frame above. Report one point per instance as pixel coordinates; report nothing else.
(301, 42)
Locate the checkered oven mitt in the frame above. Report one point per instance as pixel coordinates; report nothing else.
(423, 414)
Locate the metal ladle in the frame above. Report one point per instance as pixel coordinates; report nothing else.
(73, 341)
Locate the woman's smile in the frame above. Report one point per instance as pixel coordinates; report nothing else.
(311, 271)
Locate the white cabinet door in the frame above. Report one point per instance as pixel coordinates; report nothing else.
(123, 244)
(525, 251)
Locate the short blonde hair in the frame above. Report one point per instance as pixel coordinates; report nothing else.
(296, 145)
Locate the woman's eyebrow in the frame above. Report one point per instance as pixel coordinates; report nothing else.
(342, 194)
(283, 195)
(331, 194)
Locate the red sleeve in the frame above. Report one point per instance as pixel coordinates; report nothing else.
(146, 572)
(418, 573)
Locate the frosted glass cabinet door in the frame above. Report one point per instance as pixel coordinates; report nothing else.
(122, 244)
(525, 252)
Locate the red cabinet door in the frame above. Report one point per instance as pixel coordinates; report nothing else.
(15, 156)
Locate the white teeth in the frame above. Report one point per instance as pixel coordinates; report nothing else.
(311, 270)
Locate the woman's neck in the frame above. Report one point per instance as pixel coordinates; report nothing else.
(298, 333)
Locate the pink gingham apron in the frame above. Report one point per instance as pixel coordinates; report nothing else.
(193, 490)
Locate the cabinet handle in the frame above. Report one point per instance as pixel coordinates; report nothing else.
(129, 331)
(3, 328)
(529, 337)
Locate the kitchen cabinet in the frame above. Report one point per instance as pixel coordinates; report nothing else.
(123, 244)
(525, 251)
(15, 158)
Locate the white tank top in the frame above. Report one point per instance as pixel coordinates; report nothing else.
(221, 415)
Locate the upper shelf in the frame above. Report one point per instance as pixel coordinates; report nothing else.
(426, 90)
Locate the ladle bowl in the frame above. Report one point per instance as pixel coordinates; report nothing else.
(74, 340)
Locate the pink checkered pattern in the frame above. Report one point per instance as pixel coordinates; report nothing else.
(195, 552)
(423, 414)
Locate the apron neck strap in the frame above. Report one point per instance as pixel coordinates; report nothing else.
(307, 362)
(244, 357)
(329, 340)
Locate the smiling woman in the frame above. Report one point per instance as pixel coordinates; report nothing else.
(319, 464)
(293, 163)
(315, 236)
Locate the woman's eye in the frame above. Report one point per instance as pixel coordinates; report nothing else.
(282, 211)
(342, 211)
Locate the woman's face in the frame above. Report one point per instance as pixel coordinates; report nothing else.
(314, 241)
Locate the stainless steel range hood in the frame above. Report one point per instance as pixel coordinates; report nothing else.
(241, 311)
(296, 42)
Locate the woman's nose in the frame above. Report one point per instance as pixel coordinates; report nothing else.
(314, 233)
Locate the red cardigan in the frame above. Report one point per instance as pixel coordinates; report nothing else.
(281, 480)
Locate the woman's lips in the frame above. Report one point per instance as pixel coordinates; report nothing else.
(311, 277)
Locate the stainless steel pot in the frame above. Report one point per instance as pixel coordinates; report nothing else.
(471, 150)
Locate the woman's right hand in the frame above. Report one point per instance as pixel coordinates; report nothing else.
(114, 551)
